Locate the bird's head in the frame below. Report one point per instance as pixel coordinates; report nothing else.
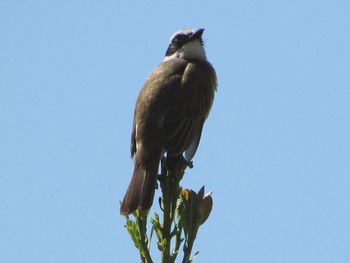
(186, 44)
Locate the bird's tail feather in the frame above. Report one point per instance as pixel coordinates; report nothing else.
(141, 189)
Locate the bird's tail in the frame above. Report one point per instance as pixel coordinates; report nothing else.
(141, 189)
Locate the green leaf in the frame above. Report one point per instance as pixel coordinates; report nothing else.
(157, 227)
(132, 229)
(194, 256)
(201, 193)
(205, 208)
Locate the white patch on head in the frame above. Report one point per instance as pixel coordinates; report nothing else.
(182, 31)
(191, 50)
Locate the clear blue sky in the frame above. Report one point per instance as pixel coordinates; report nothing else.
(275, 150)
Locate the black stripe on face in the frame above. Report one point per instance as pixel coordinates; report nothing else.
(177, 42)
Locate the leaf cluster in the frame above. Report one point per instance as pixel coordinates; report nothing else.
(183, 212)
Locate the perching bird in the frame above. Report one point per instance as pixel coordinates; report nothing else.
(170, 112)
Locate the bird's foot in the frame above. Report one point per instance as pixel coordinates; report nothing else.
(178, 163)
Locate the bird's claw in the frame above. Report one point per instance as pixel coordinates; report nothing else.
(178, 163)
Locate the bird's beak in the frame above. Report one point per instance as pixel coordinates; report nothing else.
(197, 35)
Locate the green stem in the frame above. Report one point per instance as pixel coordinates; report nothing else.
(188, 247)
(177, 242)
(166, 189)
(142, 223)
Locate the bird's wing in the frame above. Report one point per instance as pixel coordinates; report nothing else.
(133, 140)
(202, 78)
(185, 119)
(191, 150)
(157, 96)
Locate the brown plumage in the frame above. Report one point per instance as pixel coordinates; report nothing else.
(169, 115)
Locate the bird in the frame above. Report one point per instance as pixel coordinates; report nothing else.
(170, 111)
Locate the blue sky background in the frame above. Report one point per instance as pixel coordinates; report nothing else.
(275, 149)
